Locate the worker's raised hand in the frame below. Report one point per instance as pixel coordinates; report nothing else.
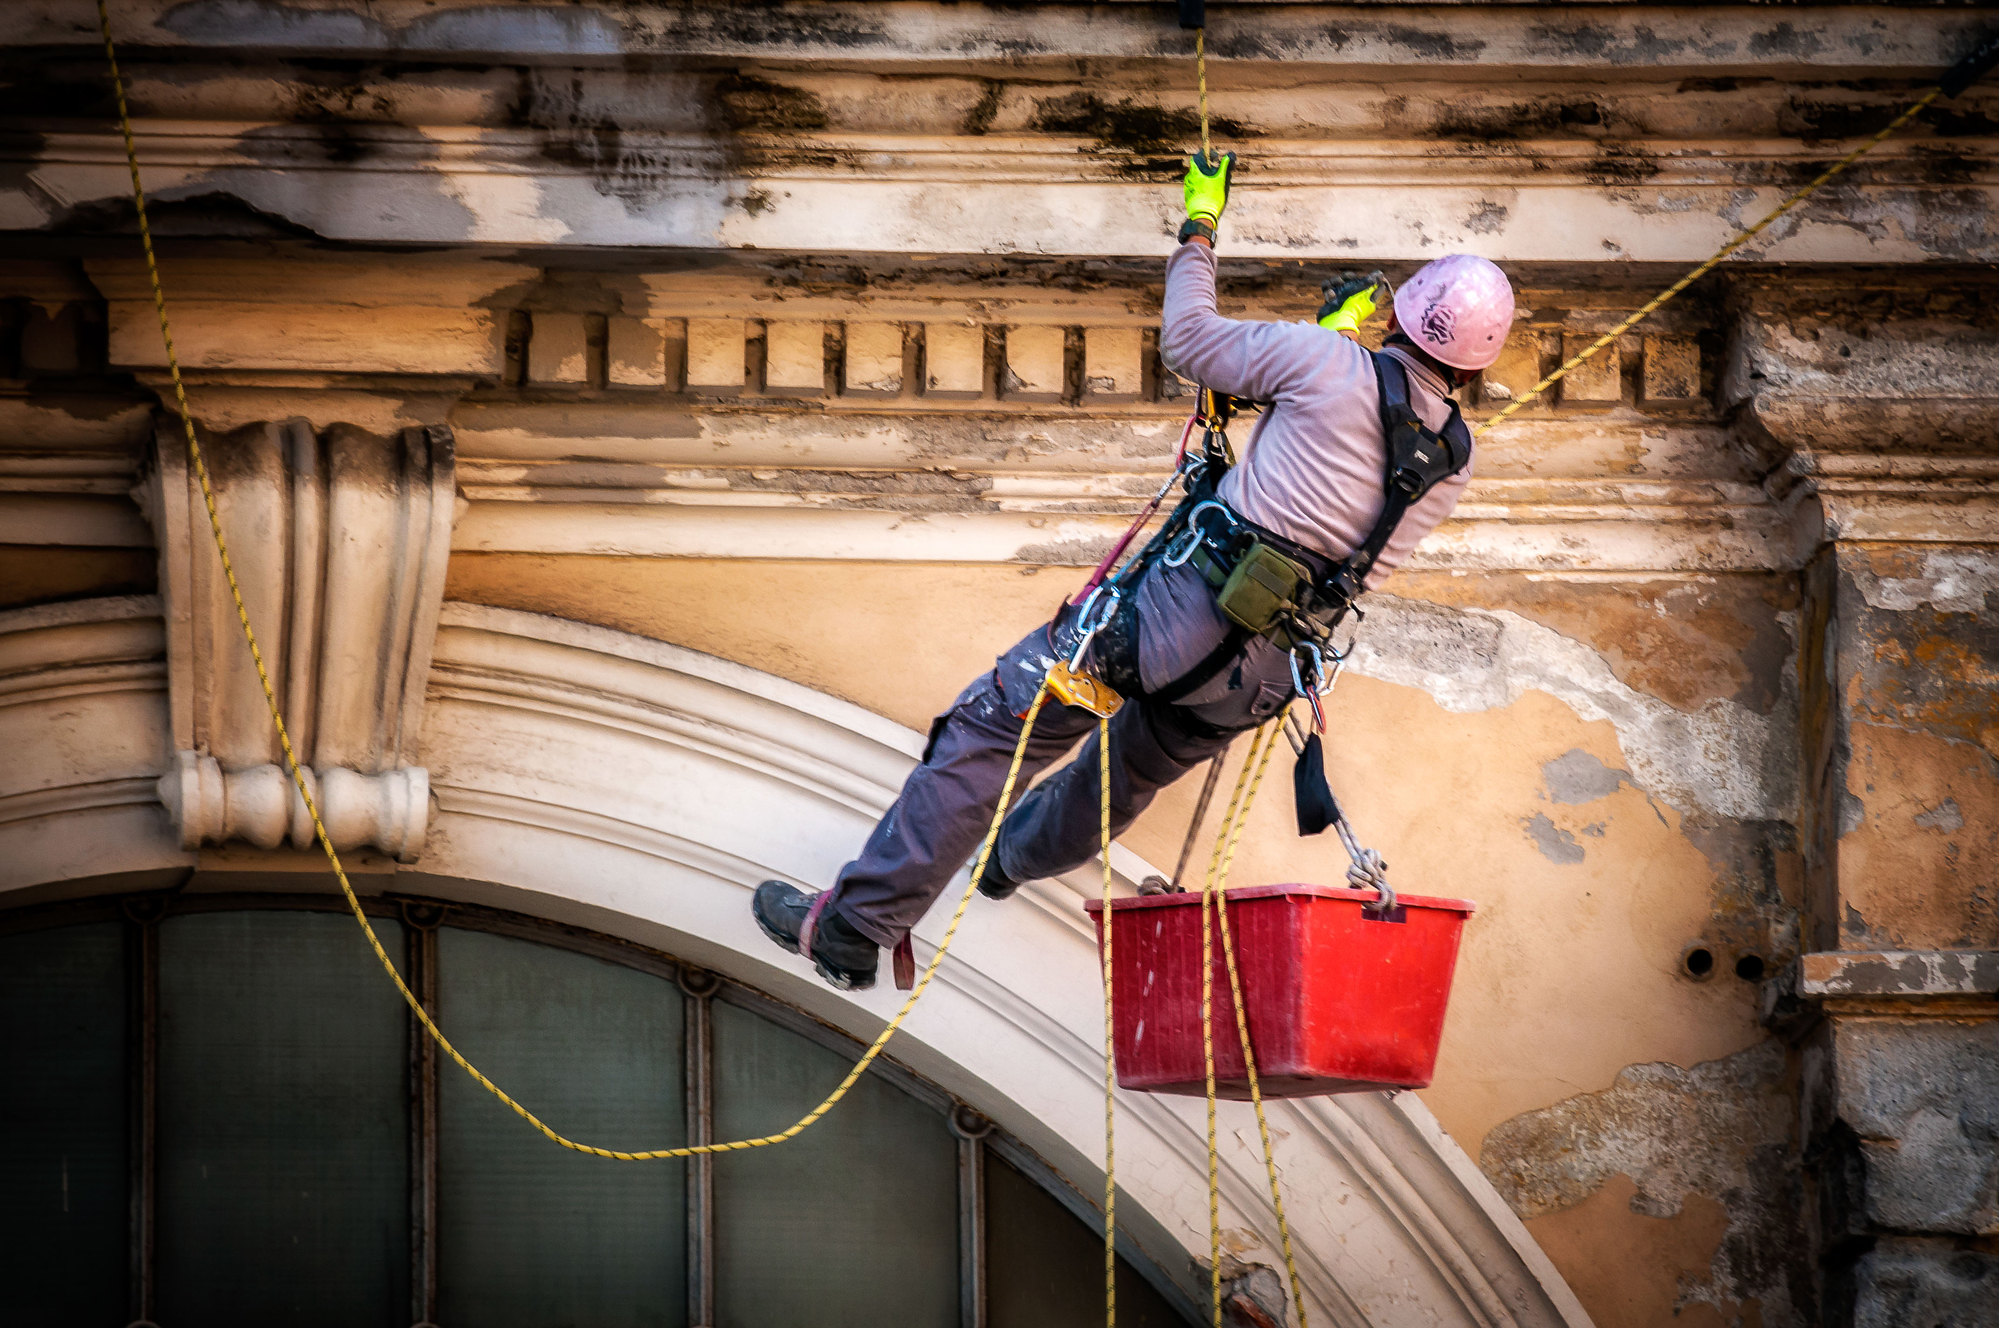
(1207, 187)
(1351, 300)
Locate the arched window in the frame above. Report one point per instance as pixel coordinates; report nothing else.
(218, 1112)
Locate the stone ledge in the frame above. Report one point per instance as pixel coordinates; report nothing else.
(1940, 984)
(1907, 974)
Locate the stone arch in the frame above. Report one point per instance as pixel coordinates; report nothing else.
(588, 775)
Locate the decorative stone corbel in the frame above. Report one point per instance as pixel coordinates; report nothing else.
(338, 540)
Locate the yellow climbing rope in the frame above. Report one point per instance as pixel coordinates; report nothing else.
(1720, 254)
(1201, 78)
(319, 829)
(1110, 1048)
(1220, 902)
(1213, 896)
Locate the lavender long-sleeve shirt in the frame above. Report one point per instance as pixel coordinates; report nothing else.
(1312, 467)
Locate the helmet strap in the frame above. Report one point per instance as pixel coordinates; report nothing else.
(1450, 373)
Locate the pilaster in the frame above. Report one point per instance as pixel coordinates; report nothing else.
(1881, 430)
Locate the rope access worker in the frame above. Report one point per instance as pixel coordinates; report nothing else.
(1316, 486)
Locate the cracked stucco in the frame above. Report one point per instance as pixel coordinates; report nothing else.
(1722, 1130)
(1723, 759)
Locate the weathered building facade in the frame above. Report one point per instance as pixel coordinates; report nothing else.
(632, 422)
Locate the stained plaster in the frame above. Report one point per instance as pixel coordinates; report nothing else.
(1721, 1130)
(1725, 759)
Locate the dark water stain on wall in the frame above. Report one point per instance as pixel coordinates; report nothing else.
(1540, 118)
(749, 104)
(1130, 134)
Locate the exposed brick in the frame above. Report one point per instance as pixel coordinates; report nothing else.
(1034, 363)
(874, 360)
(1672, 369)
(954, 357)
(636, 350)
(1599, 380)
(795, 359)
(558, 350)
(715, 356)
(1111, 359)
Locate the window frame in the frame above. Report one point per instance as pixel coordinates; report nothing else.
(421, 917)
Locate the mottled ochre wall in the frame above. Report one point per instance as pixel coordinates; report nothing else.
(1590, 888)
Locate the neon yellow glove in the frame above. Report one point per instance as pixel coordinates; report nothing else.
(1207, 186)
(1351, 301)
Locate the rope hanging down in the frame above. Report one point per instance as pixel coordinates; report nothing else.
(1213, 896)
(319, 829)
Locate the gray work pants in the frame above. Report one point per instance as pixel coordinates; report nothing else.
(946, 806)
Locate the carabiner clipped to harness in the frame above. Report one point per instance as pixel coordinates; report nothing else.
(1322, 681)
(1190, 539)
(1067, 682)
(1090, 621)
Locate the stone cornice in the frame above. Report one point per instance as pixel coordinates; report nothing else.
(1527, 133)
(1890, 984)
(1548, 201)
(1493, 39)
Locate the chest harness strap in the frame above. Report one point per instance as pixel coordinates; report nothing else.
(1267, 585)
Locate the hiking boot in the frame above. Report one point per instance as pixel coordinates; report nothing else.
(993, 882)
(844, 957)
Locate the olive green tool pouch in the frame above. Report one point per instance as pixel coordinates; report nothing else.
(1263, 584)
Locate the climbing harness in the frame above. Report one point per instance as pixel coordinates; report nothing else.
(1264, 584)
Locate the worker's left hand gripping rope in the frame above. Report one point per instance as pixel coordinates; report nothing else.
(430, 1028)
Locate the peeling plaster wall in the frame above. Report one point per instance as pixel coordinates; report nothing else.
(1722, 1129)
(1571, 973)
(1907, 762)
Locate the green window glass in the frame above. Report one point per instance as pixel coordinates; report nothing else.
(288, 1169)
(532, 1235)
(854, 1223)
(1045, 1268)
(283, 1124)
(63, 1168)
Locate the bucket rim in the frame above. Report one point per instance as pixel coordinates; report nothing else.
(1295, 889)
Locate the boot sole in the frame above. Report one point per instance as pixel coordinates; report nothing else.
(835, 979)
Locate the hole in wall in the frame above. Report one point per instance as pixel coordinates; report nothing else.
(1750, 968)
(1697, 962)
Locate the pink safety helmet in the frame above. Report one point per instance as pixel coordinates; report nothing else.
(1458, 308)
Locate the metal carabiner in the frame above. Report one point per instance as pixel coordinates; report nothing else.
(1353, 639)
(1110, 595)
(1190, 538)
(1318, 670)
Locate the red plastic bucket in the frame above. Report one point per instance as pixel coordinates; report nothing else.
(1338, 1000)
